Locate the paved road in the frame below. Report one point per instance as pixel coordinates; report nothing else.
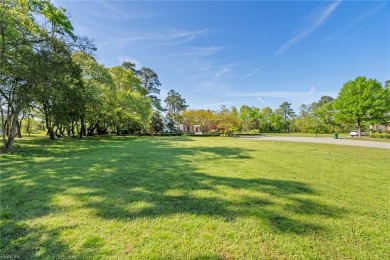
(322, 140)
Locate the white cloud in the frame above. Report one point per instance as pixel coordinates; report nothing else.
(114, 12)
(200, 51)
(221, 72)
(173, 36)
(356, 21)
(274, 98)
(282, 94)
(261, 100)
(213, 106)
(251, 73)
(316, 19)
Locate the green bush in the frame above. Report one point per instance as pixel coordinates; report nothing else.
(170, 134)
(380, 135)
(254, 131)
(205, 134)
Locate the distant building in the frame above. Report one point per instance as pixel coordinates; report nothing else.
(380, 128)
(181, 127)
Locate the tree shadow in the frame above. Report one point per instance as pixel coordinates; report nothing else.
(127, 179)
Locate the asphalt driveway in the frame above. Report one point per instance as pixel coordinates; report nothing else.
(321, 140)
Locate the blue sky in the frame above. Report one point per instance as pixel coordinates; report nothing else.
(258, 53)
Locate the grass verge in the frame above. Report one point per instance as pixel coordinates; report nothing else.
(193, 198)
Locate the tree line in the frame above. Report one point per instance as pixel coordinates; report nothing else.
(361, 101)
(48, 76)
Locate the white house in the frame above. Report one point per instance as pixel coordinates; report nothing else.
(180, 127)
(380, 128)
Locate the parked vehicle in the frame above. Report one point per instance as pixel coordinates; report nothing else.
(354, 133)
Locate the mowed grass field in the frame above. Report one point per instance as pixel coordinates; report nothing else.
(193, 198)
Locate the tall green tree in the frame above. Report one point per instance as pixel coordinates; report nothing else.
(361, 101)
(227, 119)
(29, 30)
(97, 85)
(151, 83)
(288, 115)
(249, 118)
(387, 84)
(175, 104)
(130, 106)
(323, 113)
(265, 121)
(156, 122)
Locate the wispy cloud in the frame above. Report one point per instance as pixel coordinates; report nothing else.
(356, 21)
(212, 86)
(355, 33)
(282, 94)
(200, 51)
(114, 12)
(295, 97)
(173, 36)
(251, 73)
(221, 72)
(316, 19)
(261, 100)
(213, 106)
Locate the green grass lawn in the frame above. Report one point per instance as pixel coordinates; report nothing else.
(340, 135)
(193, 198)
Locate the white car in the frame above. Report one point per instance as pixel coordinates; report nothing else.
(354, 133)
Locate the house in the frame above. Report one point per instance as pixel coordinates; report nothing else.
(380, 128)
(193, 128)
(180, 127)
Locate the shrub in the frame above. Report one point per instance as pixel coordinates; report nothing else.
(170, 134)
(208, 134)
(380, 135)
(254, 131)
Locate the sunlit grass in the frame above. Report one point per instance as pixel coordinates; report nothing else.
(340, 135)
(193, 198)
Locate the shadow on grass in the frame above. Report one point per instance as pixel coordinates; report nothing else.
(134, 178)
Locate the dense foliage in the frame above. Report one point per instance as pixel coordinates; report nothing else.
(363, 101)
(49, 81)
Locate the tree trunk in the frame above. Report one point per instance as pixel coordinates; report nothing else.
(13, 131)
(72, 128)
(92, 128)
(49, 127)
(19, 128)
(6, 126)
(82, 127)
(58, 129)
(28, 125)
(3, 126)
(359, 128)
(77, 128)
(51, 132)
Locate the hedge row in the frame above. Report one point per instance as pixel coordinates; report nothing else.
(238, 134)
(380, 135)
(170, 134)
(205, 135)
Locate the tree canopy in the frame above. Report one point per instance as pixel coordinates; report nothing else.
(362, 100)
(175, 104)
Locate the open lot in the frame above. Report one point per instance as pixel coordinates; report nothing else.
(325, 140)
(193, 198)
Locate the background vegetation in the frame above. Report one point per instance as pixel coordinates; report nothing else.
(192, 198)
(50, 81)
